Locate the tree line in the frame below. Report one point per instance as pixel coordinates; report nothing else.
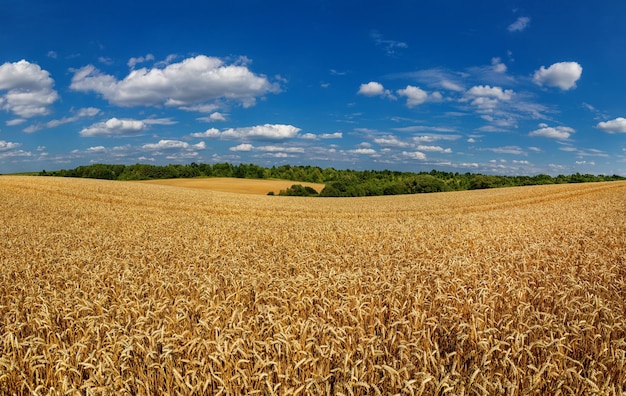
(338, 182)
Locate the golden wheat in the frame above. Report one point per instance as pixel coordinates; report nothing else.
(125, 288)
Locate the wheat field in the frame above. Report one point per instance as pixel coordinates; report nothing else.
(120, 288)
(231, 184)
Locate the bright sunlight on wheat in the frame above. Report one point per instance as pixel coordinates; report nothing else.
(113, 288)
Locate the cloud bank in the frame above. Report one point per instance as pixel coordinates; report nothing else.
(187, 85)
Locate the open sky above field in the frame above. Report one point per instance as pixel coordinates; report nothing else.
(496, 86)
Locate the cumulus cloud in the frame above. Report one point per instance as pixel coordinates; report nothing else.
(490, 92)
(213, 117)
(434, 149)
(414, 155)
(435, 137)
(487, 98)
(29, 89)
(166, 144)
(209, 133)
(519, 25)
(562, 75)
(497, 65)
(374, 88)
(362, 151)
(414, 95)
(242, 147)
(391, 141)
(115, 127)
(189, 84)
(312, 136)
(258, 132)
(4, 145)
(96, 149)
(617, 125)
(281, 149)
(559, 132)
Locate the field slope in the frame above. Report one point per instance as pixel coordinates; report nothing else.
(235, 185)
(129, 288)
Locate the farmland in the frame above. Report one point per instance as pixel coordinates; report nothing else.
(236, 185)
(111, 287)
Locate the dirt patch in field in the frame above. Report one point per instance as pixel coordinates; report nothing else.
(235, 185)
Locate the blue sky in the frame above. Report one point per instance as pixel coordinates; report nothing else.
(498, 86)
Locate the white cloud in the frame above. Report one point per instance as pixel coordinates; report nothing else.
(87, 112)
(242, 147)
(193, 82)
(209, 133)
(519, 25)
(490, 92)
(159, 121)
(4, 145)
(514, 150)
(488, 99)
(423, 128)
(115, 127)
(559, 132)
(336, 135)
(266, 131)
(96, 149)
(414, 155)
(281, 149)
(16, 121)
(258, 132)
(29, 89)
(391, 141)
(434, 149)
(134, 61)
(414, 95)
(312, 136)
(166, 144)
(374, 88)
(434, 137)
(14, 154)
(363, 151)
(213, 117)
(80, 113)
(562, 75)
(497, 65)
(617, 125)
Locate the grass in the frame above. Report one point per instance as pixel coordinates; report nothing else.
(135, 288)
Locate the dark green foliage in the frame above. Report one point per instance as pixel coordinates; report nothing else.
(298, 190)
(339, 183)
(425, 184)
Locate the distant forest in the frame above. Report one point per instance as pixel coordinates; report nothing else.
(338, 183)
